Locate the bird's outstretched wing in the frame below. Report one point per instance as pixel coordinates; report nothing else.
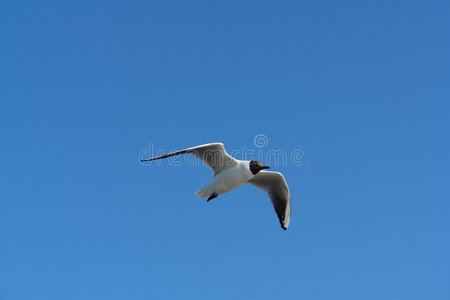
(274, 184)
(213, 155)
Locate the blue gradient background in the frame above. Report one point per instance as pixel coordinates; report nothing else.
(361, 87)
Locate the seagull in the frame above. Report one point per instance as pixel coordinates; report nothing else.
(230, 173)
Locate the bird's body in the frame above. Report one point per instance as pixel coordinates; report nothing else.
(230, 173)
(227, 180)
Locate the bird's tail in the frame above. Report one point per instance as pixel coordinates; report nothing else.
(204, 192)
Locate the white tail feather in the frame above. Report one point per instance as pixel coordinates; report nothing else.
(204, 192)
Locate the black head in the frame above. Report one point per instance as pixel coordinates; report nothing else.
(256, 166)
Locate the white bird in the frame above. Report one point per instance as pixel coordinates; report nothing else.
(230, 173)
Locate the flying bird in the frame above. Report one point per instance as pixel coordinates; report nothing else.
(230, 173)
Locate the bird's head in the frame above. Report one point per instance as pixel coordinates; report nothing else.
(256, 166)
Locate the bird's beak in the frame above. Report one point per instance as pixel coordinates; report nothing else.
(265, 167)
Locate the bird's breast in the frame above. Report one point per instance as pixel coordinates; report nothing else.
(231, 178)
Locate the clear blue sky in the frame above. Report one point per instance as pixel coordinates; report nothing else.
(361, 87)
